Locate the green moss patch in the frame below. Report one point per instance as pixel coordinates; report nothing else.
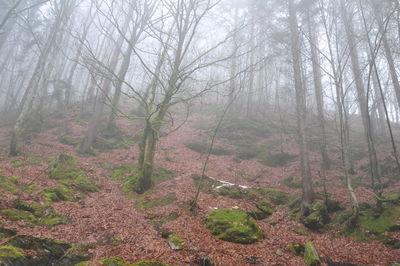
(131, 174)
(30, 159)
(311, 257)
(233, 226)
(34, 214)
(274, 195)
(175, 242)
(65, 168)
(378, 223)
(9, 184)
(318, 216)
(61, 193)
(235, 192)
(8, 251)
(296, 249)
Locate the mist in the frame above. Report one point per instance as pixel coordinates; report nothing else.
(199, 132)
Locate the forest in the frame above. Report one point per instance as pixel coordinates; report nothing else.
(199, 132)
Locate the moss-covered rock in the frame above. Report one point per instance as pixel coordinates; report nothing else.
(175, 242)
(264, 209)
(34, 214)
(234, 226)
(318, 216)
(234, 192)
(66, 168)
(296, 249)
(274, 195)
(47, 252)
(311, 257)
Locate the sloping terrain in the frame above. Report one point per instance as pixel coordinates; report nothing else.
(109, 221)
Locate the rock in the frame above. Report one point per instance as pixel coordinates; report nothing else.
(318, 216)
(311, 257)
(233, 226)
(175, 242)
(296, 249)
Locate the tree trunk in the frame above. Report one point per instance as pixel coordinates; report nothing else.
(308, 193)
(318, 92)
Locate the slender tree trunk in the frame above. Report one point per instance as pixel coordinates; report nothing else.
(308, 193)
(362, 99)
(318, 92)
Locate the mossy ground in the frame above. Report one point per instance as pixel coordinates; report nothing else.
(34, 214)
(234, 226)
(8, 251)
(74, 178)
(274, 195)
(130, 174)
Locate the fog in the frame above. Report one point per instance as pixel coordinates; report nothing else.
(300, 90)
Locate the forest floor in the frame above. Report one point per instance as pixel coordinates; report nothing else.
(112, 222)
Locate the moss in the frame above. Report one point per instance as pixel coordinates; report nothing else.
(30, 159)
(296, 249)
(17, 215)
(130, 174)
(311, 257)
(234, 192)
(234, 226)
(318, 216)
(264, 209)
(175, 242)
(300, 230)
(66, 168)
(113, 262)
(85, 185)
(274, 195)
(162, 201)
(61, 193)
(9, 251)
(34, 214)
(9, 184)
(379, 223)
(158, 221)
